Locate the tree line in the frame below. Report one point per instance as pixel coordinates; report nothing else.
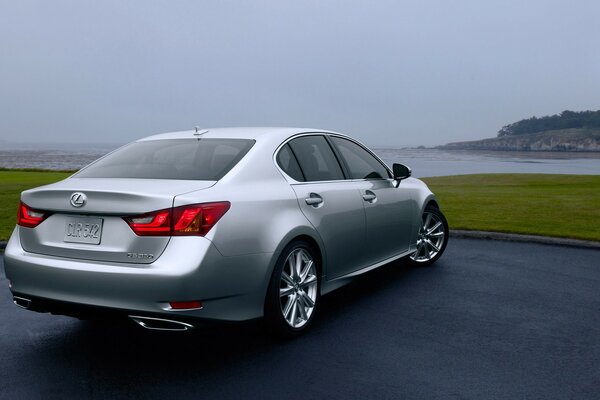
(565, 120)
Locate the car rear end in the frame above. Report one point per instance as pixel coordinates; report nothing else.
(110, 241)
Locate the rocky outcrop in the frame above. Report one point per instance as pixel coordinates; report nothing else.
(561, 140)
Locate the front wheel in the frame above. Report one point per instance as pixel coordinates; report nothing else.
(293, 292)
(432, 239)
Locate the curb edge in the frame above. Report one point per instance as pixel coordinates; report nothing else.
(514, 237)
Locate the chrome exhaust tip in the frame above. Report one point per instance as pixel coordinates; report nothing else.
(22, 302)
(160, 324)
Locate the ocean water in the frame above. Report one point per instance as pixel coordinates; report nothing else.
(434, 162)
(54, 157)
(423, 162)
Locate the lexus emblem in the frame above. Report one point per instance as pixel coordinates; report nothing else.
(78, 199)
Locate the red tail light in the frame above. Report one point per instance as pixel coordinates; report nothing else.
(29, 217)
(190, 220)
(157, 223)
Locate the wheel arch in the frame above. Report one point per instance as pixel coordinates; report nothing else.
(432, 203)
(307, 235)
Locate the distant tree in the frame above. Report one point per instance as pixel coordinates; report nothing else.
(565, 120)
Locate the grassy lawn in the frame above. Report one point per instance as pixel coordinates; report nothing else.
(539, 204)
(12, 183)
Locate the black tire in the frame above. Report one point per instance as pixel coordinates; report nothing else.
(430, 245)
(301, 292)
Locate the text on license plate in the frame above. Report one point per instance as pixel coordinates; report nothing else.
(83, 230)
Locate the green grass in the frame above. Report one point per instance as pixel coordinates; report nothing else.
(12, 183)
(539, 204)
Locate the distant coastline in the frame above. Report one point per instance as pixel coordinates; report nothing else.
(563, 140)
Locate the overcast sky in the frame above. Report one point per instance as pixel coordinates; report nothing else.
(386, 72)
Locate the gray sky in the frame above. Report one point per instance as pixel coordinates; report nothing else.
(386, 72)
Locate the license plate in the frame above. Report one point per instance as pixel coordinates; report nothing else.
(83, 230)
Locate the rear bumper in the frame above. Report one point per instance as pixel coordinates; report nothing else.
(82, 311)
(190, 268)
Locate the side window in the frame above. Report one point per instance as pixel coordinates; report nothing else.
(361, 163)
(287, 162)
(317, 161)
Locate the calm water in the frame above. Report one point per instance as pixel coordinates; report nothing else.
(424, 162)
(431, 162)
(55, 157)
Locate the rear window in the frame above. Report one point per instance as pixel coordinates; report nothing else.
(192, 159)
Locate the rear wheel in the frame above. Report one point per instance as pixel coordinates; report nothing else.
(293, 292)
(432, 239)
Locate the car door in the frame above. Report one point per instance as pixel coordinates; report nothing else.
(389, 209)
(329, 201)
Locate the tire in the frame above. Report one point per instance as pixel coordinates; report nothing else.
(294, 291)
(432, 238)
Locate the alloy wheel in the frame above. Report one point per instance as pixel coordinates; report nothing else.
(298, 288)
(430, 241)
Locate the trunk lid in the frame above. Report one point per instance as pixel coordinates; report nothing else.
(96, 230)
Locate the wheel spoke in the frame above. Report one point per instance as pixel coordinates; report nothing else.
(306, 299)
(305, 271)
(287, 279)
(291, 263)
(302, 308)
(288, 306)
(310, 280)
(292, 319)
(427, 222)
(433, 246)
(433, 228)
(437, 234)
(427, 250)
(286, 291)
(298, 264)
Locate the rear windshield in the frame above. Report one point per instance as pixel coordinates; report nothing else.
(194, 159)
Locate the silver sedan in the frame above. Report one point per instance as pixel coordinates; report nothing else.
(226, 224)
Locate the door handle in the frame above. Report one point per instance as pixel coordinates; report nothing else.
(314, 200)
(369, 196)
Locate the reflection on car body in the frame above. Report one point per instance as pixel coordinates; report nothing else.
(224, 224)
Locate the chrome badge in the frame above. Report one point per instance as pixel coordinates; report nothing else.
(78, 199)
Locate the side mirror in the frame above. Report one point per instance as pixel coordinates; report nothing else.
(401, 171)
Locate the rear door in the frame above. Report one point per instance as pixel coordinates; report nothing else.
(389, 210)
(329, 201)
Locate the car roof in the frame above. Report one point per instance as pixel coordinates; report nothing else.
(256, 133)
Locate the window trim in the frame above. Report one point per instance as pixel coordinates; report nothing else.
(291, 180)
(295, 159)
(343, 161)
(340, 161)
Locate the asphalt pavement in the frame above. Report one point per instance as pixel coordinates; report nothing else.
(492, 320)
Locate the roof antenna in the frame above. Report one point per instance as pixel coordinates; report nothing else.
(199, 132)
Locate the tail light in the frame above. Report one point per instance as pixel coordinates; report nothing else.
(190, 220)
(30, 218)
(157, 223)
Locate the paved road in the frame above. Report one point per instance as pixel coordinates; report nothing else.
(491, 320)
